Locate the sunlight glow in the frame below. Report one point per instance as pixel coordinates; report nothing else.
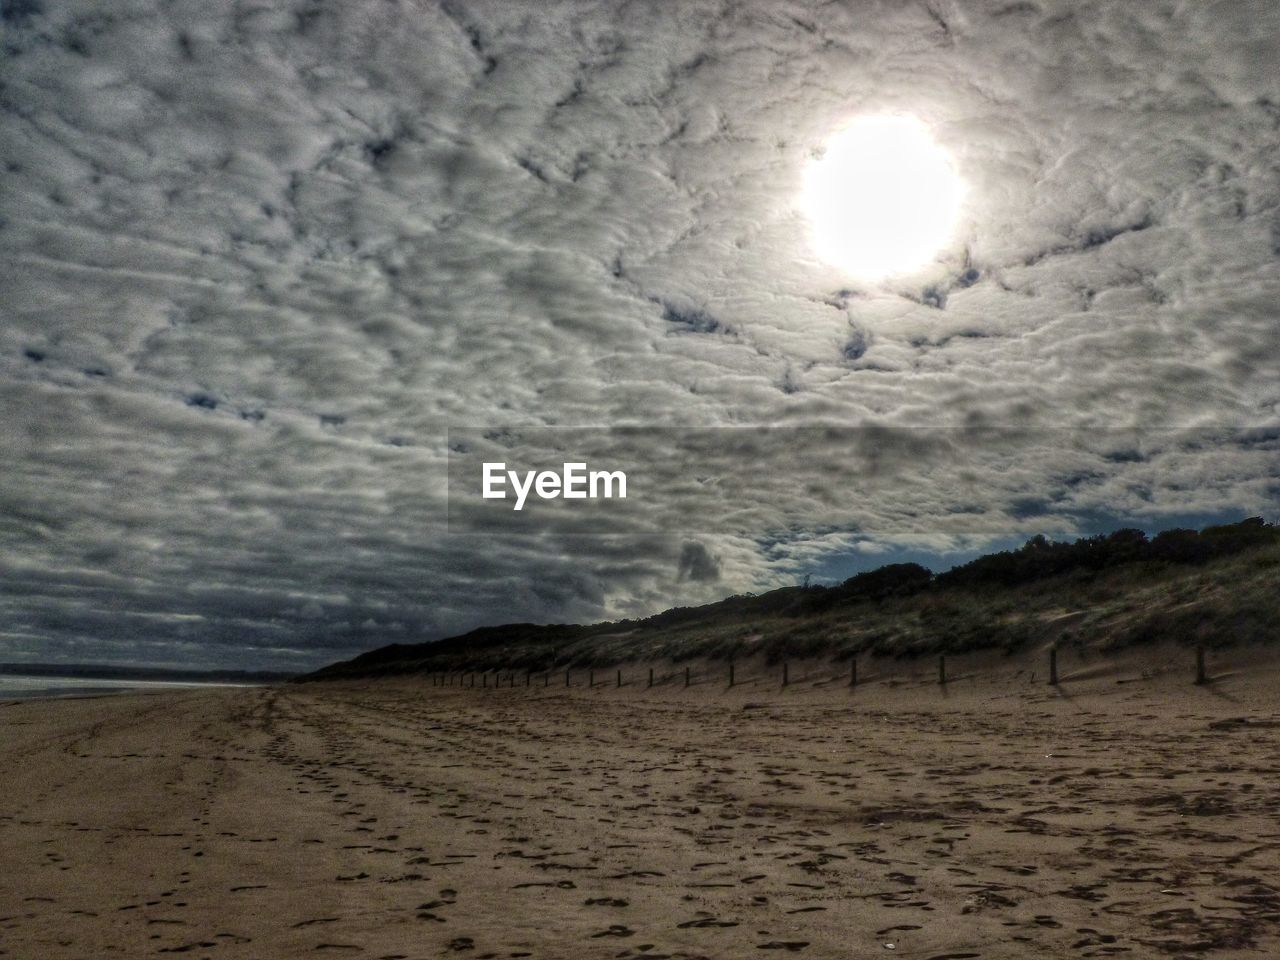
(883, 198)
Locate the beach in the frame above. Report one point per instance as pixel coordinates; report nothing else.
(1126, 812)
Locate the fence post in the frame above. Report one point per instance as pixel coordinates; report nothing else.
(785, 677)
(566, 678)
(686, 676)
(651, 676)
(1201, 679)
(942, 669)
(853, 672)
(1053, 666)
(591, 677)
(731, 673)
(619, 678)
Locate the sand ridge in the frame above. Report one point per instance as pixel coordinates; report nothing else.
(1127, 814)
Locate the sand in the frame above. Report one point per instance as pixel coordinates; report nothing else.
(1128, 813)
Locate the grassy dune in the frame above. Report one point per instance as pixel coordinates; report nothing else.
(1215, 587)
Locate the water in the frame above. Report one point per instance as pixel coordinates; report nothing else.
(13, 687)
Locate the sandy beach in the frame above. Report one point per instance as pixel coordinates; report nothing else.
(1126, 813)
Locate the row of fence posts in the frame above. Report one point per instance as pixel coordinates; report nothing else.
(468, 678)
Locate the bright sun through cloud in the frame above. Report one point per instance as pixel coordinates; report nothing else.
(882, 199)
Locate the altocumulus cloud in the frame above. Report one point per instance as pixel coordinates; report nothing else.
(258, 258)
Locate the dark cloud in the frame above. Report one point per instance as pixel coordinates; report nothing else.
(257, 262)
(697, 563)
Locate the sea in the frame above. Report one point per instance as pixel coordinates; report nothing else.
(17, 687)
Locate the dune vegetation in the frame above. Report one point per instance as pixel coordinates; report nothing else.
(1213, 587)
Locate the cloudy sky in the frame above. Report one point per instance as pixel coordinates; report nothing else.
(258, 259)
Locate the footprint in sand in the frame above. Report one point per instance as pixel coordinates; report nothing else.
(614, 930)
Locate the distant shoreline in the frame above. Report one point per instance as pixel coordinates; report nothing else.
(21, 688)
(106, 671)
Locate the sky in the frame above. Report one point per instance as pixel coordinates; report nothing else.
(259, 260)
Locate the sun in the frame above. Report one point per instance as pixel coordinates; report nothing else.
(882, 199)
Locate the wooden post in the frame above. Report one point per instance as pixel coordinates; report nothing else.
(853, 672)
(731, 673)
(1201, 678)
(942, 669)
(619, 678)
(473, 679)
(686, 676)
(1053, 666)
(484, 679)
(591, 677)
(546, 679)
(785, 678)
(651, 676)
